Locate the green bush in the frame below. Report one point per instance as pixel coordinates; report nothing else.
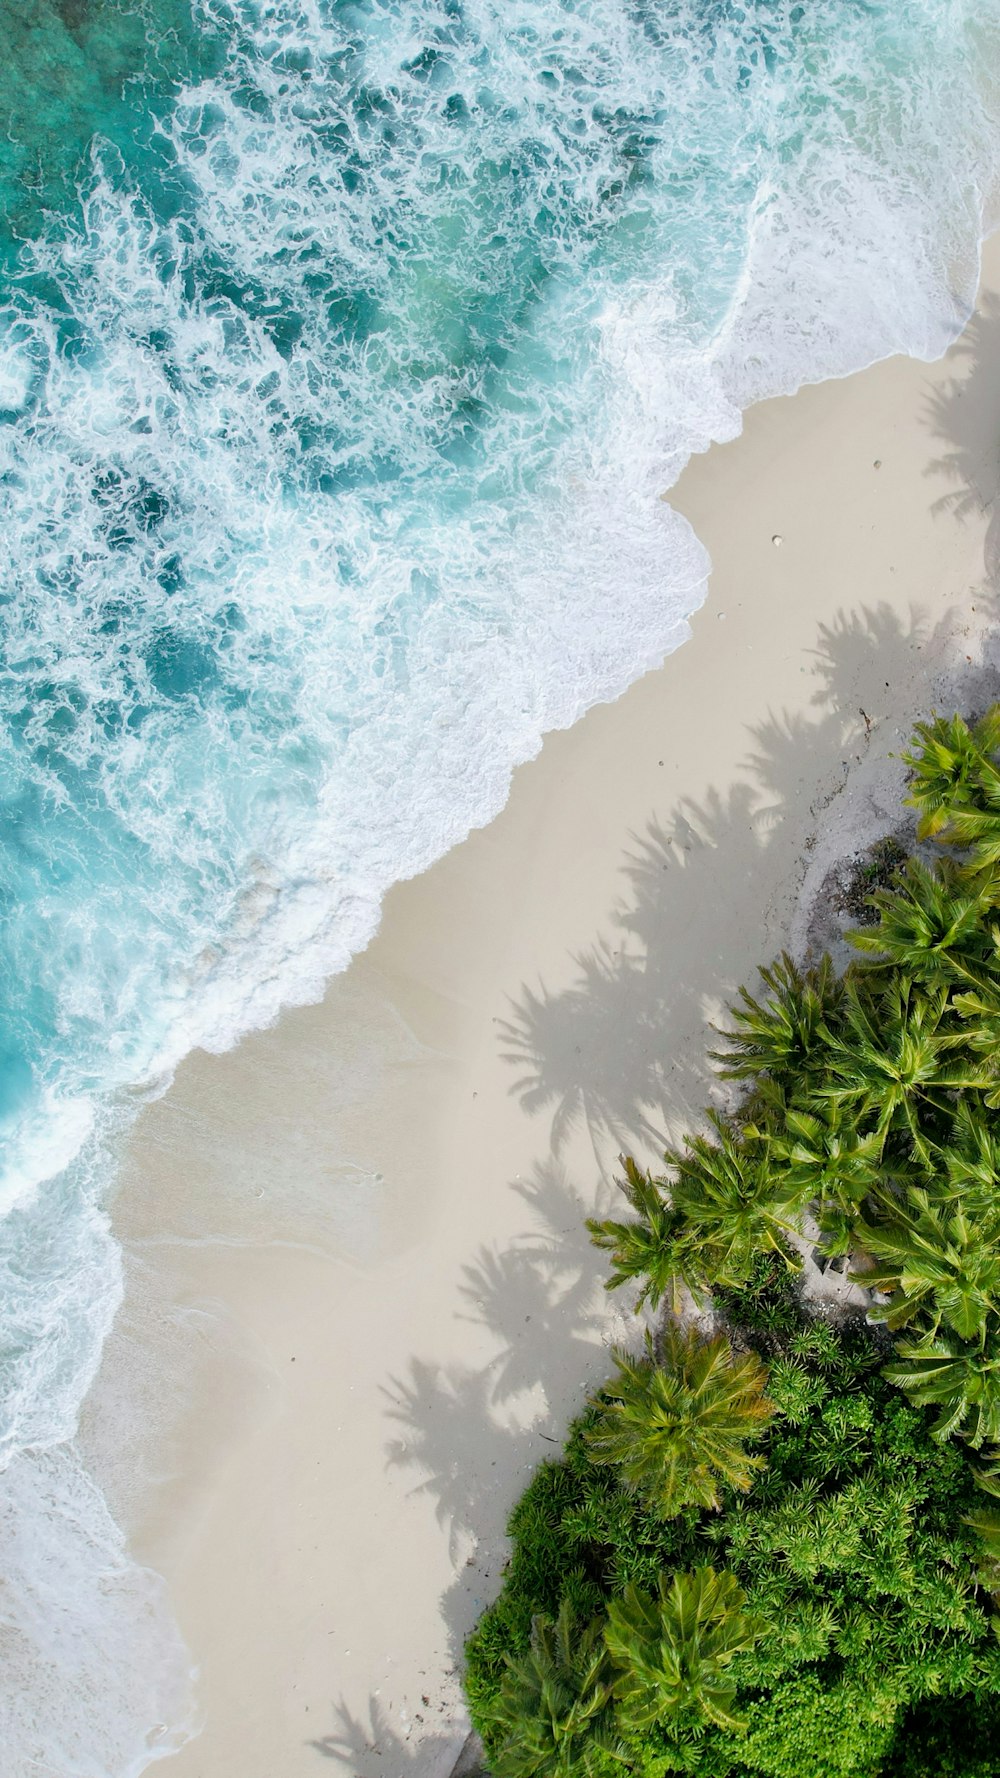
(852, 1551)
(837, 1620)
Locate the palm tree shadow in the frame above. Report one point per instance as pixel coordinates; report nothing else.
(964, 411)
(537, 1296)
(376, 1749)
(473, 1434)
(620, 1053)
(591, 1071)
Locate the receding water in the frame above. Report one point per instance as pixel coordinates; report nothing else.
(345, 353)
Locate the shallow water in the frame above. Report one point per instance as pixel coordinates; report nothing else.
(345, 351)
(72, 70)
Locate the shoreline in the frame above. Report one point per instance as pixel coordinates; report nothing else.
(355, 1244)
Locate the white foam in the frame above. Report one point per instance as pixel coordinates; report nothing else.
(250, 684)
(96, 1680)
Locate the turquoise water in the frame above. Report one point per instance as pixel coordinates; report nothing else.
(74, 70)
(345, 353)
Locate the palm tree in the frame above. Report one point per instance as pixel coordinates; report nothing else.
(671, 1651)
(937, 1261)
(961, 1378)
(933, 925)
(555, 1714)
(783, 1035)
(731, 1200)
(971, 1160)
(986, 1524)
(988, 1478)
(980, 1009)
(956, 783)
(654, 1249)
(894, 1059)
(824, 1155)
(676, 1429)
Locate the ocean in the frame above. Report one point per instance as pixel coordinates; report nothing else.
(346, 353)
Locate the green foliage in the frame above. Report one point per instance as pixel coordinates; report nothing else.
(651, 1250)
(782, 1035)
(897, 1057)
(553, 1717)
(676, 1425)
(731, 1200)
(938, 1261)
(970, 1164)
(960, 1378)
(853, 1551)
(828, 1158)
(934, 925)
(988, 1475)
(825, 1605)
(671, 1651)
(985, 1524)
(955, 784)
(764, 1305)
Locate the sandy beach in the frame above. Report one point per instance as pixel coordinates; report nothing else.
(362, 1305)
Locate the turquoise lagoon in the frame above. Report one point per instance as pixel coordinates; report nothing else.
(346, 350)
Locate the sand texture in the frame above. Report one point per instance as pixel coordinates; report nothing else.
(362, 1305)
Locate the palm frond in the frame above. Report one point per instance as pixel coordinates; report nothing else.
(733, 1199)
(938, 1264)
(932, 925)
(653, 1249)
(676, 1426)
(784, 1032)
(555, 1715)
(960, 1378)
(671, 1649)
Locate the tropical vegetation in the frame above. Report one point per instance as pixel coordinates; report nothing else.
(772, 1543)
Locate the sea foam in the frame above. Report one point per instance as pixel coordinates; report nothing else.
(334, 425)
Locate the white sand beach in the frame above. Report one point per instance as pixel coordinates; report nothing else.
(362, 1304)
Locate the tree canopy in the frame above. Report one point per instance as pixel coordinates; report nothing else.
(769, 1548)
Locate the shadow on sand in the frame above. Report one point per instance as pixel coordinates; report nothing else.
(537, 1298)
(620, 1053)
(374, 1746)
(965, 412)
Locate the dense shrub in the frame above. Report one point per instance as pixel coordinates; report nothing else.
(851, 1549)
(770, 1551)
